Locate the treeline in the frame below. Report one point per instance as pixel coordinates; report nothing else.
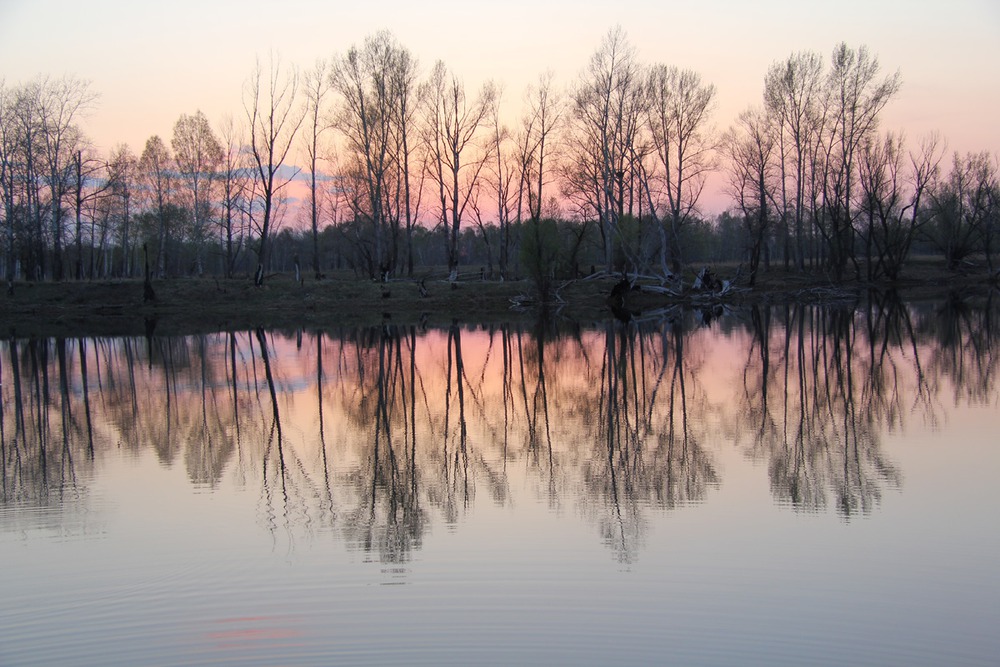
(366, 162)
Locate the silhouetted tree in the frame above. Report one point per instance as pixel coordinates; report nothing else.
(601, 142)
(750, 147)
(678, 111)
(452, 125)
(793, 92)
(855, 96)
(274, 117)
(199, 155)
(159, 188)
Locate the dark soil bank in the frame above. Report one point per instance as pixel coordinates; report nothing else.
(184, 306)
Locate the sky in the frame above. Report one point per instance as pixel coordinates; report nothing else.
(151, 62)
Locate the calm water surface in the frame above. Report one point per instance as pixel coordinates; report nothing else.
(795, 485)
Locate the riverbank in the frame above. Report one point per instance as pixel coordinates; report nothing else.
(190, 305)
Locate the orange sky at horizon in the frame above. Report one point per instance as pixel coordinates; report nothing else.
(152, 62)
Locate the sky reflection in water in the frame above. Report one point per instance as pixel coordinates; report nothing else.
(787, 486)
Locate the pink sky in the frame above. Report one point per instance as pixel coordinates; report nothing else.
(151, 62)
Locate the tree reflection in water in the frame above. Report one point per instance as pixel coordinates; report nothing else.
(825, 439)
(376, 435)
(385, 516)
(647, 449)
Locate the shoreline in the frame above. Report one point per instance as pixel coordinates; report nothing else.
(199, 305)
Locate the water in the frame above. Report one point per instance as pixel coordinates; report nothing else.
(794, 485)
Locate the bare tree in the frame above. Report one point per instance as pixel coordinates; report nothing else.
(198, 154)
(376, 87)
(41, 141)
(964, 209)
(159, 187)
(543, 117)
(991, 226)
(274, 117)
(891, 200)
(90, 182)
(500, 177)
(679, 107)
(233, 177)
(25, 165)
(59, 105)
(406, 91)
(750, 148)
(605, 123)
(122, 175)
(855, 98)
(8, 167)
(534, 144)
(792, 93)
(452, 124)
(316, 90)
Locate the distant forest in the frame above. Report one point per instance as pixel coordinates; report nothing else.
(369, 163)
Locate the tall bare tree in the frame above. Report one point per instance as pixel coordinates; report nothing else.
(453, 124)
(8, 168)
(236, 202)
(964, 209)
(316, 89)
(793, 92)
(25, 164)
(678, 111)
(198, 154)
(273, 117)
(41, 141)
(406, 92)
(123, 168)
(542, 119)
(59, 105)
(159, 187)
(891, 202)
(375, 84)
(90, 182)
(750, 147)
(600, 160)
(856, 96)
(499, 181)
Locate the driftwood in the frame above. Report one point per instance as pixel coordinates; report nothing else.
(656, 289)
(706, 289)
